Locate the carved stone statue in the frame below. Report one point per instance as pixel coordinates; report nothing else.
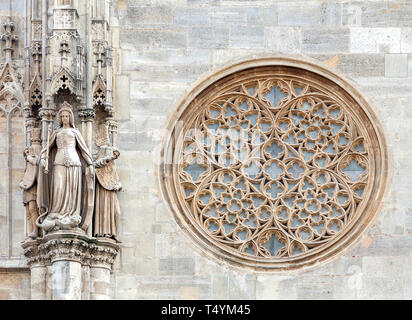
(66, 177)
(107, 208)
(29, 182)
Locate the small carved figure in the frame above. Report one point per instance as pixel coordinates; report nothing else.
(107, 208)
(29, 182)
(66, 178)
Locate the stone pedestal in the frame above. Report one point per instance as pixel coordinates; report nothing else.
(70, 266)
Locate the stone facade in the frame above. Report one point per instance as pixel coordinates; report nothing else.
(160, 50)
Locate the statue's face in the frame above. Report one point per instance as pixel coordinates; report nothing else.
(65, 117)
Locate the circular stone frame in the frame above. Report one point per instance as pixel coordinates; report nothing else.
(351, 233)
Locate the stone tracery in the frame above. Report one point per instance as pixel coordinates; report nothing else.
(273, 164)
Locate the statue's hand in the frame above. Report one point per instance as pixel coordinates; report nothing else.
(91, 169)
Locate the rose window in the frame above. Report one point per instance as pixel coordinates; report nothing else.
(275, 166)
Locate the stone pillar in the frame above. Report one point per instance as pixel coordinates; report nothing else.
(70, 266)
(103, 254)
(38, 269)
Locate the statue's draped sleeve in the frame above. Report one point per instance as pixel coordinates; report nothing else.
(43, 179)
(88, 181)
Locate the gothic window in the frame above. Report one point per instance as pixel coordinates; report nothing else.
(276, 166)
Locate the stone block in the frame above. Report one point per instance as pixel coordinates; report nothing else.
(331, 14)
(315, 287)
(148, 39)
(162, 90)
(221, 57)
(325, 40)
(150, 106)
(228, 15)
(283, 39)
(386, 266)
(387, 288)
(242, 286)
(220, 286)
(170, 287)
(407, 289)
(203, 2)
(121, 95)
(347, 288)
(190, 16)
(362, 65)
(276, 287)
(396, 65)
(365, 14)
(299, 14)
(209, 37)
(149, 15)
(406, 40)
(375, 40)
(176, 266)
(247, 37)
(172, 245)
(265, 16)
(400, 13)
(189, 293)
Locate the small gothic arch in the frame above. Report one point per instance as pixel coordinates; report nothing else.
(99, 92)
(63, 80)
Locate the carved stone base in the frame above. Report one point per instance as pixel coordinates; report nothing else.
(66, 265)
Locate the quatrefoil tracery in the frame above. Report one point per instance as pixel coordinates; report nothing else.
(274, 167)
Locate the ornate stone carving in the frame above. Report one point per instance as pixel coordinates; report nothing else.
(67, 246)
(274, 166)
(29, 181)
(65, 192)
(63, 80)
(9, 37)
(107, 208)
(11, 94)
(87, 114)
(103, 254)
(99, 92)
(36, 27)
(64, 18)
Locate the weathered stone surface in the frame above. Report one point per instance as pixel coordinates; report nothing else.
(247, 37)
(283, 39)
(331, 14)
(149, 15)
(375, 40)
(365, 14)
(164, 46)
(298, 14)
(145, 39)
(209, 37)
(176, 266)
(325, 40)
(396, 65)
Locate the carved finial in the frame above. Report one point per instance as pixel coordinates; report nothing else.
(8, 37)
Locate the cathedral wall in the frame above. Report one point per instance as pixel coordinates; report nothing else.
(14, 285)
(160, 49)
(12, 144)
(166, 46)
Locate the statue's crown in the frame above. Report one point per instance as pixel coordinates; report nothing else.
(65, 106)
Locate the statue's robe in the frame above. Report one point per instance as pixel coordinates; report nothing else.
(107, 208)
(45, 186)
